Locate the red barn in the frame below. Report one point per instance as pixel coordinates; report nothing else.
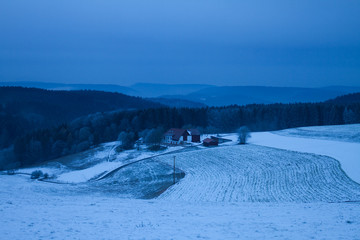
(208, 142)
(195, 135)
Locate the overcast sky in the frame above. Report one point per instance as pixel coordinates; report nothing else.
(308, 43)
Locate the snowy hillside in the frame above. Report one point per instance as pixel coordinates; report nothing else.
(227, 192)
(259, 174)
(93, 164)
(347, 133)
(347, 153)
(37, 210)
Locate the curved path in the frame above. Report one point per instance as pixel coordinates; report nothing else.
(113, 171)
(347, 153)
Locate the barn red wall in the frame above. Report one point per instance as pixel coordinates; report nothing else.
(195, 138)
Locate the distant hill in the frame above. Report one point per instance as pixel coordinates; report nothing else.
(221, 96)
(70, 87)
(210, 95)
(177, 103)
(79, 103)
(149, 90)
(156, 90)
(26, 109)
(346, 99)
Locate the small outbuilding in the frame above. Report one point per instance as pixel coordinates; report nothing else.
(220, 139)
(195, 135)
(208, 142)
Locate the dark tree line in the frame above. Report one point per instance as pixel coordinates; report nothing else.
(85, 132)
(23, 110)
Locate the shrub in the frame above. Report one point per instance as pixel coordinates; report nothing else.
(127, 140)
(36, 174)
(156, 148)
(154, 136)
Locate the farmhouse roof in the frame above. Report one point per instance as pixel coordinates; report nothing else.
(209, 140)
(194, 131)
(220, 139)
(176, 133)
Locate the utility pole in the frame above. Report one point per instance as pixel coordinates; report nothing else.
(174, 169)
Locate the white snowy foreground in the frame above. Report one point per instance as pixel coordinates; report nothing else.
(347, 153)
(38, 210)
(228, 192)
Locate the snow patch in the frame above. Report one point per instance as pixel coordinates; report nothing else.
(88, 173)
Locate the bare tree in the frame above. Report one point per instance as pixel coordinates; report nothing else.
(243, 134)
(154, 138)
(127, 140)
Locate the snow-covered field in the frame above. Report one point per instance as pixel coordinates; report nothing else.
(347, 133)
(347, 153)
(251, 173)
(93, 163)
(228, 192)
(38, 210)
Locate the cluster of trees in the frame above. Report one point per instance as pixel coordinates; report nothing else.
(128, 126)
(151, 137)
(23, 110)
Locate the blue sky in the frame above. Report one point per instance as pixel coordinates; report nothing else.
(272, 43)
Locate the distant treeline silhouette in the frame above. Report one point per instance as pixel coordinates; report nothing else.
(83, 133)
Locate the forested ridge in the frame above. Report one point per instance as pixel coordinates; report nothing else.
(39, 125)
(84, 132)
(26, 109)
(346, 99)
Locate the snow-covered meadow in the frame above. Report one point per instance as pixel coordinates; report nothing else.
(38, 210)
(248, 173)
(347, 153)
(228, 192)
(347, 133)
(94, 163)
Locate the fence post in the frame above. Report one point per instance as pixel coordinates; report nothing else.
(174, 169)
